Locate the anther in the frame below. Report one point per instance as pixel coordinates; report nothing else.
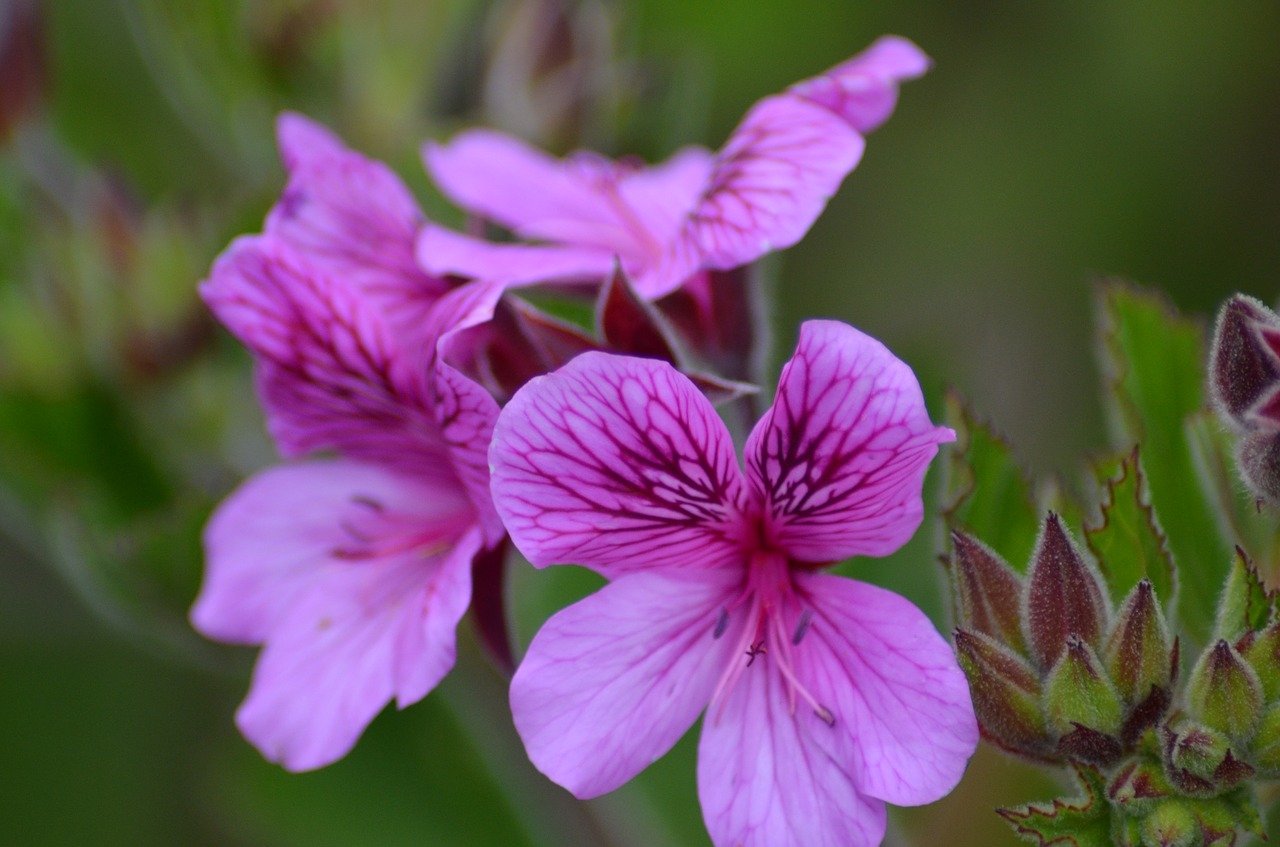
(722, 623)
(824, 714)
(802, 627)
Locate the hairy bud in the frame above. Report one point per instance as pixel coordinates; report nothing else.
(1078, 693)
(1225, 693)
(1006, 695)
(1064, 596)
(988, 592)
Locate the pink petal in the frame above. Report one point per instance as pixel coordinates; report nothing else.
(618, 464)
(332, 372)
(840, 458)
(612, 682)
(443, 251)
(269, 542)
(360, 636)
(661, 196)
(529, 192)
(904, 723)
(771, 181)
(464, 411)
(766, 780)
(353, 216)
(864, 89)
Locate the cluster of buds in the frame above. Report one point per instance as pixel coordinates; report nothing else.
(1055, 675)
(1059, 679)
(1244, 381)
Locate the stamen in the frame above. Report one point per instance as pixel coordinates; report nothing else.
(803, 626)
(367, 502)
(722, 623)
(784, 663)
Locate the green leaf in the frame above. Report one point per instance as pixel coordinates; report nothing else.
(1153, 360)
(1129, 543)
(985, 491)
(1081, 822)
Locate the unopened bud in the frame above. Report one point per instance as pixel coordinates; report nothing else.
(1198, 758)
(1263, 655)
(1138, 787)
(1006, 695)
(1078, 693)
(1171, 824)
(1225, 693)
(1138, 650)
(1258, 460)
(1064, 596)
(1243, 365)
(988, 592)
(1266, 744)
(1245, 605)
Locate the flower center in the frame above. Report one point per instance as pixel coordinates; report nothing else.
(775, 626)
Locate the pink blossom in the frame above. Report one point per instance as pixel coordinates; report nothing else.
(697, 211)
(353, 571)
(825, 697)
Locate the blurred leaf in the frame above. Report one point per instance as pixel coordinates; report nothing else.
(1129, 543)
(985, 491)
(1153, 361)
(1083, 822)
(53, 443)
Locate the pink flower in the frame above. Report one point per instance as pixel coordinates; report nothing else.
(825, 697)
(353, 571)
(696, 211)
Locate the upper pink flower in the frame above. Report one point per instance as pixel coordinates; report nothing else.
(825, 697)
(352, 571)
(696, 211)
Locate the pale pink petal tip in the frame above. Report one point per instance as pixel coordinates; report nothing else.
(864, 89)
(302, 139)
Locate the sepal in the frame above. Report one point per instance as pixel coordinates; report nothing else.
(1138, 651)
(1077, 693)
(988, 592)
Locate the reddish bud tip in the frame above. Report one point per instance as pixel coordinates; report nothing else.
(988, 592)
(1064, 596)
(1006, 695)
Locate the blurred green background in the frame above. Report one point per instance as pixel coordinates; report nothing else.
(1052, 143)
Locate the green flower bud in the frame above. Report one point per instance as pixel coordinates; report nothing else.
(1263, 655)
(1138, 653)
(1171, 824)
(988, 592)
(1139, 787)
(1006, 695)
(1064, 597)
(1224, 692)
(1266, 744)
(1245, 605)
(1078, 693)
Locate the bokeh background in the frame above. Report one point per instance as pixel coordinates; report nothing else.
(1052, 144)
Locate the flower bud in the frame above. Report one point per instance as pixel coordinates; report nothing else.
(1078, 693)
(1266, 744)
(1138, 787)
(1245, 605)
(1171, 824)
(1258, 461)
(1006, 695)
(1263, 655)
(1138, 652)
(1243, 365)
(988, 592)
(1225, 693)
(1064, 596)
